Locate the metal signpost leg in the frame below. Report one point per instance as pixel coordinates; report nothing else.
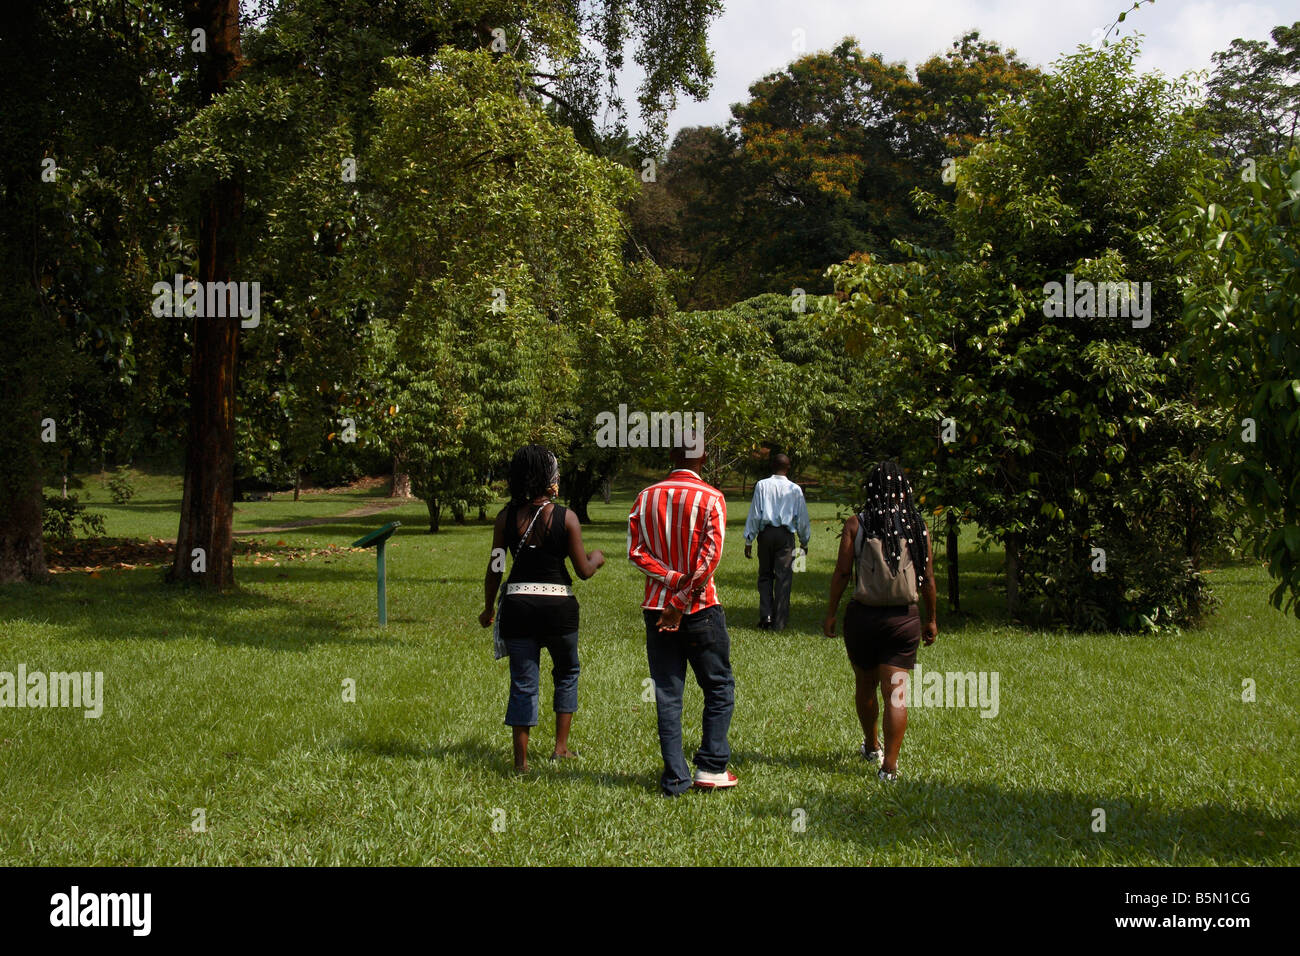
(379, 537)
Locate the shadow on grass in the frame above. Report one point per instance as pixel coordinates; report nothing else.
(498, 760)
(137, 606)
(353, 528)
(802, 760)
(159, 504)
(987, 824)
(316, 571)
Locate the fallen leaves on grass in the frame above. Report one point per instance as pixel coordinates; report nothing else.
(95, 555)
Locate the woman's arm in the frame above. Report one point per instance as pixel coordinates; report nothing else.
(584, 564)
(930, 596)
(842, 575)
(496, 563)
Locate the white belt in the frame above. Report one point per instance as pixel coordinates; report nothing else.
(551, 590)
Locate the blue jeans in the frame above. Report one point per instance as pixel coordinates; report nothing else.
(525, 668)
(701, 641)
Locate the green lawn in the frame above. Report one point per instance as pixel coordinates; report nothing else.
(234, 705)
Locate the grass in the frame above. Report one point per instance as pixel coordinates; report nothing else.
(234, 705)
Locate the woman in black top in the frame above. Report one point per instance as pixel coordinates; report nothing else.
(538, 609)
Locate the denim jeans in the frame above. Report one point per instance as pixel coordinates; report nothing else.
(701, 641)
(525, 668)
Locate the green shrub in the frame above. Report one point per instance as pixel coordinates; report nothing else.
(62, 518)
(121, 487)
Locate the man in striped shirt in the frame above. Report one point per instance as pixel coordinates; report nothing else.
(675, 535)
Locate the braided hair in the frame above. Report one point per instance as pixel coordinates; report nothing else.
(890, 514)
(533, 472)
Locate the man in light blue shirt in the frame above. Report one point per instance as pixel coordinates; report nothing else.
(777, 513)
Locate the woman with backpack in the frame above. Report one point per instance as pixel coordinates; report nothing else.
(537, 608)
(888, 546)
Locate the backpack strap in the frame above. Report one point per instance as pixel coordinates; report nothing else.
(519, 545)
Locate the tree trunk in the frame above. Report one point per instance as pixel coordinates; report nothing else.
(28, 321)
(207, 503)
(435, 512)
(22, 551)
(1013, 575)
(954, 592)
(580, 486)
(401, 480)
(297, 483)
(941, 454)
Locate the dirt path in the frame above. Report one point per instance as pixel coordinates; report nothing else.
(363, 512)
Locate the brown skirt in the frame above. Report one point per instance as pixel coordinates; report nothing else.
(882, 635)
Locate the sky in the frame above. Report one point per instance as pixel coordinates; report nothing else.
(755, 37)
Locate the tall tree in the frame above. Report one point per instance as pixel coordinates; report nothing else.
(205, 539)
(1077, 439)
(820, 163)
(338, 50)
(1242, 243)
(480, 292)
(1253, 101)
(87, 96)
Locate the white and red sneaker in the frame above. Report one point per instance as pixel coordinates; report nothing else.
(711, 780)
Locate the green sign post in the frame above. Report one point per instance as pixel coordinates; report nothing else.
(379, 537)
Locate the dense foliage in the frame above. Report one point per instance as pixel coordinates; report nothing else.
(461, 245)
(1243, 313)
(1074, 440)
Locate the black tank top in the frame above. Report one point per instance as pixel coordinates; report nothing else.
(539, 560)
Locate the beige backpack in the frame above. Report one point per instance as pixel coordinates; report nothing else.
(876, 586)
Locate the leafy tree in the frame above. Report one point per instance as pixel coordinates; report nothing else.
(344, 45)
(693, 219)
(726, 367)
(1253, 101)
(1243, 312)
(818, 164)
(616, 363)
(86, 95)
(479, 292)
(1075, 434)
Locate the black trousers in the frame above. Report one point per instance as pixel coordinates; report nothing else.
(775, 563)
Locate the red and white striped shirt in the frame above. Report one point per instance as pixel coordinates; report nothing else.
(675, 534)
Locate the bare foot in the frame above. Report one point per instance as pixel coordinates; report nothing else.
(563, 753)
